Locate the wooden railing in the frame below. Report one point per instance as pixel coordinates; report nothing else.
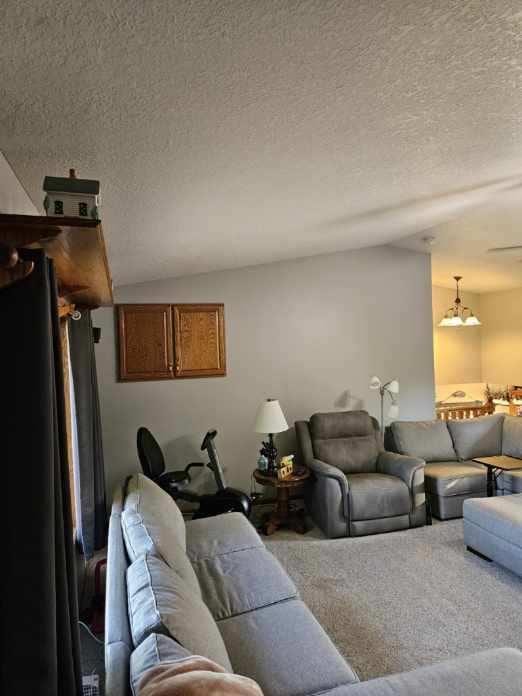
(463, 412)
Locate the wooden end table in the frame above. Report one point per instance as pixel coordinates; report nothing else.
(495, 466)
(283, 515)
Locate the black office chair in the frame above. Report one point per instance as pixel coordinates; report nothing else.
(153, 464)
(225, 499)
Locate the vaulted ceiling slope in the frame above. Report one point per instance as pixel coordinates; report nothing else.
(227, 132)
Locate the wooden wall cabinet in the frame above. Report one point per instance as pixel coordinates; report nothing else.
(163, 341)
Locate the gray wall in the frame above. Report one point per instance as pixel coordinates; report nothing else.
(309, 332)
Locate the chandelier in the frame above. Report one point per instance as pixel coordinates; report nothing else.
(459, 315)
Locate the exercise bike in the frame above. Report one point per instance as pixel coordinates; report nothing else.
(225, 499)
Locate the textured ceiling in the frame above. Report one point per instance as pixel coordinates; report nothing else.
(228, 133)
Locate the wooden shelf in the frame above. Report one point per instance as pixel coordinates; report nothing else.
(77, 248)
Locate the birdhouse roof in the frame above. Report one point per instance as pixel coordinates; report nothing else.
(71, 185)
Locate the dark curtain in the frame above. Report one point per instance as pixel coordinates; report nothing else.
(40, 612)
(93, 511)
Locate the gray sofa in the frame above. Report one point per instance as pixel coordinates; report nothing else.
(493, 529)
(448, 447)
(357, 488)
(210, 587)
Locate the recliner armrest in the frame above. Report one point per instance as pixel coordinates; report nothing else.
(400, 465)
(320, 468)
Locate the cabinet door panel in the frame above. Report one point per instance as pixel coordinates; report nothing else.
(145, 336)
(199, 340)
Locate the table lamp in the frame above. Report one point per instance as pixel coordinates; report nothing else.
(270, 420)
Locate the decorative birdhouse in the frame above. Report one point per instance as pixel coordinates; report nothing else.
(71, 197)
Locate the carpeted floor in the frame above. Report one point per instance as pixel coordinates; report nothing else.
(393, 602)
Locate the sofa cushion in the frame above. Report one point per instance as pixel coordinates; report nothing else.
(500, 515)
(139, 541)
(510, 482)
(161, 602)
(212, 536)
(374, 496)
(285, 650)
(152, 651)
(455, 478)
(159, 512)
(234, 583)
(348, 440)
(482, 674)
(512, 436)
(477, 437)
(428, 440)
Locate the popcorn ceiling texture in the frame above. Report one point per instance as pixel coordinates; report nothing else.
(230, 132)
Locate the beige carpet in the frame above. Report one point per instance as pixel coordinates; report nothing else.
(392, 602)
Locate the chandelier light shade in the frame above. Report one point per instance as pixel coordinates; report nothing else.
(458, 315)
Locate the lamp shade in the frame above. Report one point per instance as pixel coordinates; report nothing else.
(375, 383)
(394, 411)
(451, 321)
(270, 418)
(472, 321)
(393, 386)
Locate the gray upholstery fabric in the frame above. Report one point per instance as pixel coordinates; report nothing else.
(477, 437)
(326, 500)
(512, 436)
(339, 424)
(160, 514)
(138, 541)
(285, 650)
(403, 466)
(510, 481)
(428, 440)
(326, 492)
(502, 516)
(155, 649)
(118, 640)
(490, 545)
(493, 526)
(455, 478)
(490, 673)
(348, 440)
(212, 536)
(342, 490)
(160, 602)
(241, 581)
(352, 455)
(411, 471)
(117, 657)
(374, 496)
(450, 507)
(386, 524)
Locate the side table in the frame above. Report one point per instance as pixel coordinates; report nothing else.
(283, 515)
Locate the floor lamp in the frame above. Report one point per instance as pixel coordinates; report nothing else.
(392, 389)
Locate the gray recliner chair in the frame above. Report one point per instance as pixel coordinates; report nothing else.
(357, 488)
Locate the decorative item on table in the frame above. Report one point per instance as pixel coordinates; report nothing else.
(270, 420)
(515, 406)
(286, 467)
(392, 389)
(262, 463)
(71, 197)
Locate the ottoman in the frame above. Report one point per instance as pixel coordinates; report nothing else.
(493, 528)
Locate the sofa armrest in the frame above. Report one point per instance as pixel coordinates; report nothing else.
(400, 465)
(320, 468)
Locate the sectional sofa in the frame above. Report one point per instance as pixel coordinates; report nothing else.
(448, 447)
(210, 587)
